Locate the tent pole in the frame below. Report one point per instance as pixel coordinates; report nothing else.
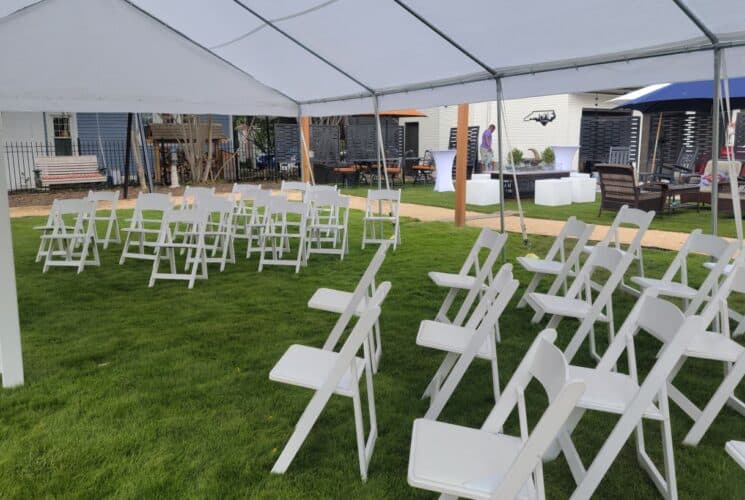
(715, 141)
(381, 146)
(656, 142)
(306, 166)
(127, 155)
(499, 159)
(461, 165)
(11, 356)
(145, 157)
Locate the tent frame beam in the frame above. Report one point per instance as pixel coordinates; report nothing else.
(697, 21)
(547, 67)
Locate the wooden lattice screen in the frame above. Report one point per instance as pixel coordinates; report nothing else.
(598, 133)
(473, 146)
(361, 142)
(324, 142)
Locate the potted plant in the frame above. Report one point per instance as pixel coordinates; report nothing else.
(516, 157)
(548, 156)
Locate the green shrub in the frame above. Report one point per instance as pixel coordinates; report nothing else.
(548, 156)
(516, 156)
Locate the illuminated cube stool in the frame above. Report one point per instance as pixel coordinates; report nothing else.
(553, 192)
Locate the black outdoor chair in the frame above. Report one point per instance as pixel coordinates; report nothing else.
(684, 165)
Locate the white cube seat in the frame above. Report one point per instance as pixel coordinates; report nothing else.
(474, 460)
(584, 189)
(482, 191)
(553, 192)
(310, 367)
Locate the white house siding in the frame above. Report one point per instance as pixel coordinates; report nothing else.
(434, 129)
(19, 127)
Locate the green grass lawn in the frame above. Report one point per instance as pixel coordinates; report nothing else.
(163, 392)
(683, 220)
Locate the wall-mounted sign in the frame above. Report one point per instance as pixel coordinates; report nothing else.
(544, 117)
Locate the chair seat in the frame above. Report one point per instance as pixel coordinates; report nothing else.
(460, 461)
(379, 218)
(727, 269)
(736, 449)
(452, 280)
(449, 338)
(562, 306)
(714, 346)
(335, 301)
(541, 266)
(670, 289)
(309, 367)
(588, 249)
(608, 391)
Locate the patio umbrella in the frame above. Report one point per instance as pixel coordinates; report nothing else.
(683, 96)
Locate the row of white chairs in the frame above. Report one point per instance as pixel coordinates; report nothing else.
(485, 463)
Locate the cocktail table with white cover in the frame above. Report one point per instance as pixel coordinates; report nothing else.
(553, 192)
(482, 190)
(444, 168)
(564, 157)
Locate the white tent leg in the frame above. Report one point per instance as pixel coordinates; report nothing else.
(11, 358)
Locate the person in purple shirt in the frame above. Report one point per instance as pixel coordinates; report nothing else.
(487, 155)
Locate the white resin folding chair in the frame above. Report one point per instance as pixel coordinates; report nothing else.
(190, 240)
(718, 249)
(353, 303)
(464, 343)
(112, 223)
(72, 238)
(470, 278)
(381, 208)
(327, 223)
(327, 373)
(218, 234)
(250, 219)
(579, 302)
(243, 195)
(736, 450)
(485, 463)
(294, 189)
(192, 195)
(557, 263)
(611, 391)
(714, 346)
(148, 217)
(46, 229)
(285, 222)
(639, 220)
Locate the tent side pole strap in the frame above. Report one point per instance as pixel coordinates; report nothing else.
(381, 146)
(127, 156)
(715, 141)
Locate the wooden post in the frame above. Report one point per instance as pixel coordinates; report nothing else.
(304, 148)
(461, 162)
(156, 160)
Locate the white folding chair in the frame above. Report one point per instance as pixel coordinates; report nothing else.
(610, 391)
(382, 207)
(640, 221)
(328, 372)
(190, 240)
(718, 249)
(285, 221)
(464, 343)
(218, 233)
(147, 219)
(193, 194)
(46, 229)
(250, 219)
(485, 463)
(470, 277)
(557, 263)
(112, 223)
(73, 226)
(294, 188)
(243, 195)
(714, 346)
(579, 303)
(353, 303)
(736, 450)
(327, 223)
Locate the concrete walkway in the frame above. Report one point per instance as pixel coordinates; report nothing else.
(666, 240)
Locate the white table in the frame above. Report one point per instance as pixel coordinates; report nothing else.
(564, 157)
(482, 190)
(553, 192)
(444, 169)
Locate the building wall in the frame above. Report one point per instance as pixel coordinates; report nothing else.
(434, 129)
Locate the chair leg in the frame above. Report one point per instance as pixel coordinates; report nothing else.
(530, 289)
(359, 428)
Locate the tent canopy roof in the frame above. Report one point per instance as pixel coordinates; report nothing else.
(332, 56)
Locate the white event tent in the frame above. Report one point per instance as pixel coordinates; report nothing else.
(331, 57)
